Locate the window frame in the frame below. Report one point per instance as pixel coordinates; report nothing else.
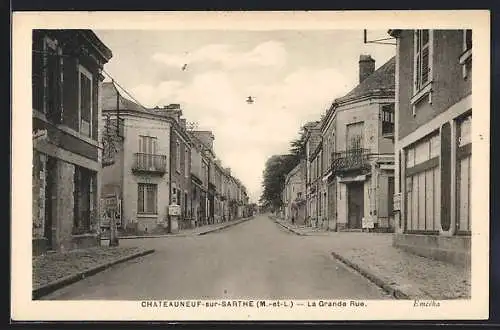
(145, 204)
(466, 55)
(178, 156)
(422, 90)
(87, 74)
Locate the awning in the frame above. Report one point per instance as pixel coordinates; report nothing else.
(354, 179)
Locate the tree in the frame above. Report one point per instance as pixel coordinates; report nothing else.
(276, 169)
(298, 146)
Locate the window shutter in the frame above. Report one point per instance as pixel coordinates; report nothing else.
(53, 86)
(70, 96)
(95, 107)
(37, 59)
(425, 65)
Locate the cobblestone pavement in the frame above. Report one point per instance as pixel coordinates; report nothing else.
(420, 276)
(255, 259)
(53, 266)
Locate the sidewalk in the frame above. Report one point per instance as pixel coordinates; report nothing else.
(190, 232)
(55, 270)
(402, 274)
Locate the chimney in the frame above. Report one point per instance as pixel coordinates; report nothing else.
(172, 110)
(366, 67)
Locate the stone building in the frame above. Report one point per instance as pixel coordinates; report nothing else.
(294, 194)
(357, 135)
(66, 72)
(433, 143)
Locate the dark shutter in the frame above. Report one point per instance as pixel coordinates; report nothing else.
(70, 74)
(95, 105)
(53, 95)
(37, 72)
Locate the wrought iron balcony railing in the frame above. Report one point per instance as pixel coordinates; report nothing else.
(350, 160)
(149, 163)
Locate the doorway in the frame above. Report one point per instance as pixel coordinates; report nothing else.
(355, 204)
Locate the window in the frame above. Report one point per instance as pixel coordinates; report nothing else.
(186, 162)
(422, 186)
(354, 136)
(422, 65)
(147, 151)
(464, 156)
(178, 156)
(388, 118)
(466, 57)
(146, 198)
(84, 199)
(85, 101)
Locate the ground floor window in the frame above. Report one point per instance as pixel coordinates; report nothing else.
(423, 186)
(84, 199)
(463, 173)
(147, 198)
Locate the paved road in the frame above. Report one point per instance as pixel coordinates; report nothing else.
(255, 259)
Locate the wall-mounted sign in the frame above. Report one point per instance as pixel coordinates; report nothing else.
(397, 202)
(111, 207)
(174, 210)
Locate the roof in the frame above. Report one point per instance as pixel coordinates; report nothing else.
(109, 93)
(381, 81)
(298, 168)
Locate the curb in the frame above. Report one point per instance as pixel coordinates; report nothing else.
(222, 228)
(180, 234)
(393, 291)
(70, 279)
(289, 229)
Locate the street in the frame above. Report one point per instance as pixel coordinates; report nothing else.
(255, 259)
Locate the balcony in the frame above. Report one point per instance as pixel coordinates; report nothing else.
(149, 163)
(350, 160)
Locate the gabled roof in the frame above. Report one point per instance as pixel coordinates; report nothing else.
(109, 93)
(381, 82)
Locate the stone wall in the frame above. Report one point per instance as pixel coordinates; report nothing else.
(65, 173)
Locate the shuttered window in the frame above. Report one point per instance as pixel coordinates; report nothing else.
(85, 102)
(422, 58)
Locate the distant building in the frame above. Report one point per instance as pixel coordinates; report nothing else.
(66, 72)
(313, 170)
(433, 143)
(294, 194)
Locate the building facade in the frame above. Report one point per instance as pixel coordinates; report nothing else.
(294, 194)
(361, 150)
(433, 142)
(139, 176)
(180, 165)
(66, 72)
(312, 143)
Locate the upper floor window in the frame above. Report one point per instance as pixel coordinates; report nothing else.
(47, 78)
(148, 144)
(85, 101)
(186, 162)
(355, 135)
(388, 118)
(178, 156)
(465, 58)
(422, 59)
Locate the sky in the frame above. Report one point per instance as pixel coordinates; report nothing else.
(292, 75)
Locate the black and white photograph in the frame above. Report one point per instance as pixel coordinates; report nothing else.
(246, 166)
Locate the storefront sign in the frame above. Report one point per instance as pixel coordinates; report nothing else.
(174, 210)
